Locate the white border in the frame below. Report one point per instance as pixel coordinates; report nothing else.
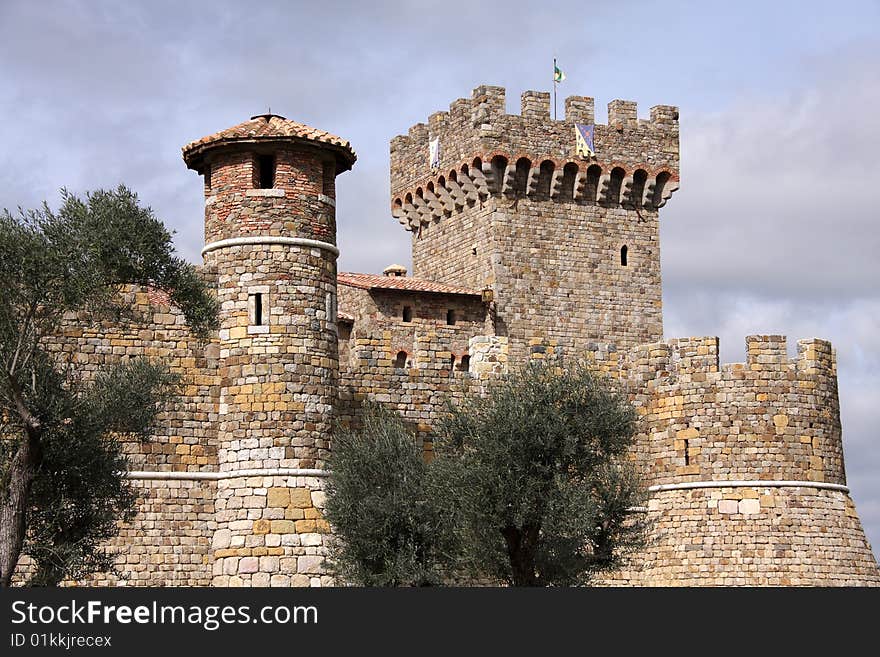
(755, 483)
(270, 239)
(232, 474)
(306, 472)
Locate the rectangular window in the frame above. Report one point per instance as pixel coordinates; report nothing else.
(330, 308)
(257, 310)
(266, 170)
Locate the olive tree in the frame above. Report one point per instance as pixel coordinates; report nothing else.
(389, 531)
(537, 478)
(62, 484)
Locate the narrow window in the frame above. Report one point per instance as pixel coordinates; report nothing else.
(208, 177)
(623, 252)
(452, 363)
(465, 364)
(450, 317)
(400, 360)
(687, 456)
(330, 308)
(407, 313)
(258, 309)
(328, 179)
(266, 166)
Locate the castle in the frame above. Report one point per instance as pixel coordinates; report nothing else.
(523, 246)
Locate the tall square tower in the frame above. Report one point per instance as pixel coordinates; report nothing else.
(566, 238)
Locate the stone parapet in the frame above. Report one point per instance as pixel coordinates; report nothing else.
(771, 417)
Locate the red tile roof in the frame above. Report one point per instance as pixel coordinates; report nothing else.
(267, 127)
(380, 282)
(157, 297)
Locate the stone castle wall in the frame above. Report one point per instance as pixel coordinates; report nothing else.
(443, 362)
(186, 436)
(379, 331)
(769, 426)
(169, 540)
(278, 387)
(271, 239)
(768, 418)
(459, 248)
(574, 253)
(480, 127)
(752, 536)
(278, 376)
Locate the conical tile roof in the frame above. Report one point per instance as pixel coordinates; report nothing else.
(268, 128)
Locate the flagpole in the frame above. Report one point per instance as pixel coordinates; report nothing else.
(554, 88)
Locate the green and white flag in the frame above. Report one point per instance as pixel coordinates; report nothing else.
(558, 75)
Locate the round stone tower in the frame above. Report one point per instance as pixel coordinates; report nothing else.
(745, 467)
(270, 240)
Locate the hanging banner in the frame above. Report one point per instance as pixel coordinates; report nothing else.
(583, 135)
(434, 152)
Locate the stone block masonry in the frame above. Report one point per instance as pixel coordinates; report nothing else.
(752, 536)
(522, 249)
(272, 532)
(769, 418)
(745, 465)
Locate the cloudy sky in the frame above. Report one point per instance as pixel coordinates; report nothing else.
(773, 230)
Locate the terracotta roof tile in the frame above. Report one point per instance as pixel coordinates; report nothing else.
(377, 281)
(157, 297)
(267, 127)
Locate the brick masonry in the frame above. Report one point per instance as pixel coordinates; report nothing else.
(518, 252)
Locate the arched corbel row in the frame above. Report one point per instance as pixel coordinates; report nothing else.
(560, 181)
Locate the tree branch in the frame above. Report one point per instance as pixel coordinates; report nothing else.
(31, 423)
(28, 318)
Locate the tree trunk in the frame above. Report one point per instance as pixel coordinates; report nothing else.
(14, 504)
(521, 546)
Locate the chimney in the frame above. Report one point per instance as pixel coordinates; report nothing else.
(394, 270)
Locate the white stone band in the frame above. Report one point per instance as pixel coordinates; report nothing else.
(755, 483)
(307, 472)
(232, 474)
(270, 239)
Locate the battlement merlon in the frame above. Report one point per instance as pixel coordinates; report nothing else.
(480, 127)
(766, 356)
(770, 417)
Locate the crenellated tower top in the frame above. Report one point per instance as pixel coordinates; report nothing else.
(477, 137)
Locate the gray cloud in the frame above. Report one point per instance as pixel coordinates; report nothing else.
(778, 193)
